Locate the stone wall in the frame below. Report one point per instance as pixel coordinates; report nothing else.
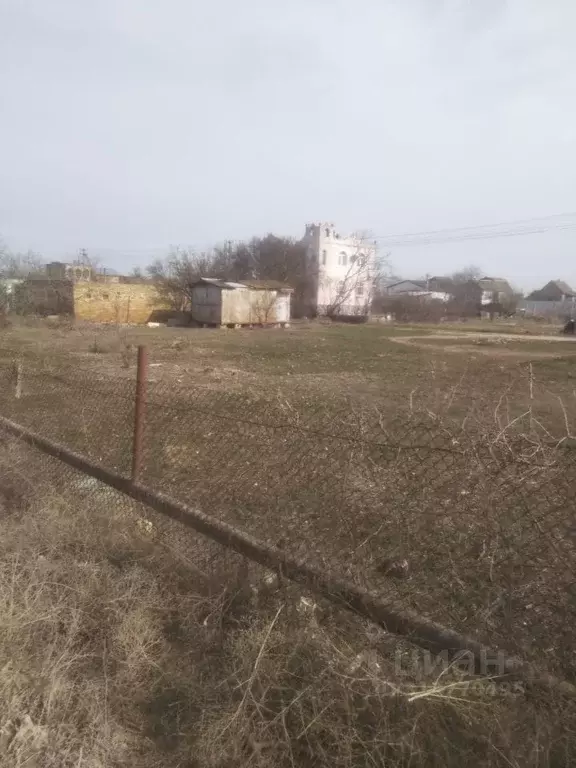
(117, 302)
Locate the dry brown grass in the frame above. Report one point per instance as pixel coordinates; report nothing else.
(123, 643)
(453, 464)
(126, 643)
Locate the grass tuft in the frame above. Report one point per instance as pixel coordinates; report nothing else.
(121, 648)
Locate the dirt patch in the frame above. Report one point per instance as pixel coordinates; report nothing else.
(495, 345)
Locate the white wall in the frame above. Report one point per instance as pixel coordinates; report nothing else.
(238, 306)
(406, 287)
(396, 292)
(282, 308)
(331, 264)
(548, 308)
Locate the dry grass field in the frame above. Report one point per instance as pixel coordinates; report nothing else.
(356, 447)
(124, 645)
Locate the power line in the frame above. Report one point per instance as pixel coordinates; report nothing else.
(486, 226)
(478, 236)
(482, 232)
(531, 226)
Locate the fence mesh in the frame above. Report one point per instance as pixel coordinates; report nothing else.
(473, 529)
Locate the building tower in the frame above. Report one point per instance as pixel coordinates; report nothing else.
(340, 271)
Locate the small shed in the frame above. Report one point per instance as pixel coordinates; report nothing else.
(252, 302)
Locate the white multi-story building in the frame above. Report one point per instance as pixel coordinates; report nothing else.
(340, 271)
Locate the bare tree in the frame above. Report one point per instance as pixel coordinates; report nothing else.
(261, 258)
(19, 265)
(503, 306)
(4, 303)
(263, 307)
(408, 309)
(282, 259)
(467, 274)
(176, 275)
(466, 298)
(383, 277)
(353, 293)
(87, 259)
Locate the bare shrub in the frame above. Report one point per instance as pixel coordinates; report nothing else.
(410, 309)
(127, 354)
(118, 648)
(97, 348)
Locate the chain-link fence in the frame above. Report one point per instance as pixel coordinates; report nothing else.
(475, 530)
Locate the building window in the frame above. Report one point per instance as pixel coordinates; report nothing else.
(359, 290)
(342, 259)
(324, 256)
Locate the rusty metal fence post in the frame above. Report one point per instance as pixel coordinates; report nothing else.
(139, 411)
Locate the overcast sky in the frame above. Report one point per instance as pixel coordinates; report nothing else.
(129, 125)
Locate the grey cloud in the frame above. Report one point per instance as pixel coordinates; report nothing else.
(132, 123)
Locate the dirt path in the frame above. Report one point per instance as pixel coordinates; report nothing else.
(491, 345)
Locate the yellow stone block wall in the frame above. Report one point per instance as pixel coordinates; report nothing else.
(116, 302)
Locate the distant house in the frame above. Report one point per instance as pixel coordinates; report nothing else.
(479, 293)
(251, 302)
(555, 290)
(442, 286)
(495, 290)
(433, 288)
(58, 270)
(406, 288)
(555, 299)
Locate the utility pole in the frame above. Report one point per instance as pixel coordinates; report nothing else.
(83, 256)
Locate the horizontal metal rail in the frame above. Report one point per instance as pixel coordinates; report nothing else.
(404, 622)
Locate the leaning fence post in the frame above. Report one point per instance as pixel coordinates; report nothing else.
(18, 373)
(139, 411)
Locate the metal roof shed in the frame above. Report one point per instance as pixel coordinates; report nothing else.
(221, 302)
